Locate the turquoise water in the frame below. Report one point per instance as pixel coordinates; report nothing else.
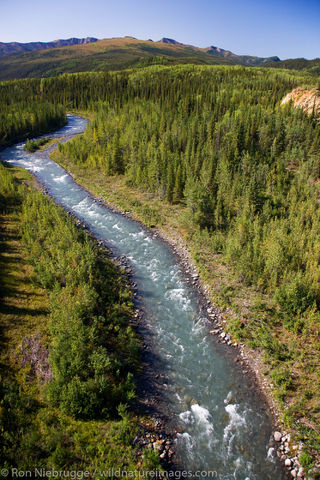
(223, 427)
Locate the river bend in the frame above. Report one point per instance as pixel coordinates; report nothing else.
(223, 427)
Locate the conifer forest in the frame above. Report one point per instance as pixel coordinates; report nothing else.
(237, 173)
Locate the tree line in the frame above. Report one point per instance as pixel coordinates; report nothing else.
(217, 140)
(22, 119)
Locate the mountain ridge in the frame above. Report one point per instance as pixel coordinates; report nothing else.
(311, 66)
(11, 48)
(117, 53)
(251, 60)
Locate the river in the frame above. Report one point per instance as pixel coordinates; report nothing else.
(223, 425)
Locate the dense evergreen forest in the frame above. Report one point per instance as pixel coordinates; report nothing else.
(246, 168)
(21, 119)
(216, 142)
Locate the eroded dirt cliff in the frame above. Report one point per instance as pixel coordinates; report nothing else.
(308, 100)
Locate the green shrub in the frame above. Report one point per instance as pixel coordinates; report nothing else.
(306, 461)
(295, 296)
(34, 145)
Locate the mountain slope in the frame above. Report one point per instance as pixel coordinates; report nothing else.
(248, 60)
(14, 47)
(115, 54)
(311, 66)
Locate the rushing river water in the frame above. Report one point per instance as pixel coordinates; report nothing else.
(223, 426)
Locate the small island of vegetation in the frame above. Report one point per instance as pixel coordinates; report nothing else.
(32, 146)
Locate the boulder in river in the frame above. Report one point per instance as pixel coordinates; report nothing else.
(277, 436)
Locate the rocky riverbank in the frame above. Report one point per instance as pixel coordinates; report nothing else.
(246, 358)
(283, 447)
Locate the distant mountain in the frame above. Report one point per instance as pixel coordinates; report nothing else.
(15, 47)
(249, 60)
(40, 59)
(170, 41)
(103, 55)
(311, 66)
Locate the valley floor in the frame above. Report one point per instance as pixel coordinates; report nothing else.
(291, 383)
(35, 434)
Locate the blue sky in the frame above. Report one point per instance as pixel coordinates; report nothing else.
(285, 28)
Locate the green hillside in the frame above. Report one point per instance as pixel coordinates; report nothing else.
(116, 54)
(104, 55)
(310, 66)
(122, 53)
